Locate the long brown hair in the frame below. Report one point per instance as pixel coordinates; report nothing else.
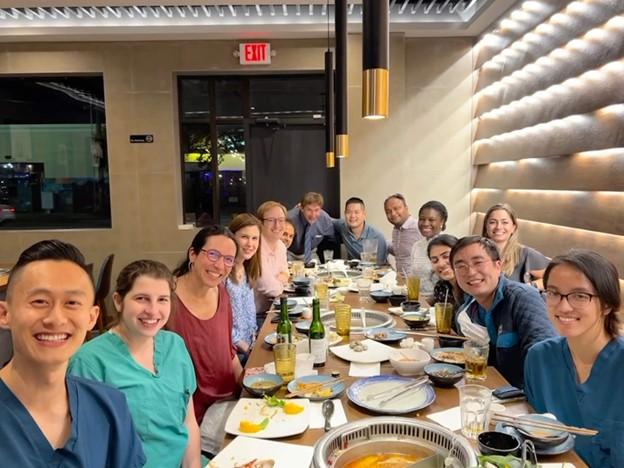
(253, 270)
(511, 253)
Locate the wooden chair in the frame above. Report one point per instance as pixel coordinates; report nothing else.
(102, 288)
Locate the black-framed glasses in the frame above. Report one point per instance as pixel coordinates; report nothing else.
(575, 299)
(275, 220)
(214, 256)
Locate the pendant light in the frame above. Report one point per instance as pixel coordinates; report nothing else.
(375, 62)
(330, 160)
(342, 137)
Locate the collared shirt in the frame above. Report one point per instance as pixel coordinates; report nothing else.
(309, 236)
(403, 239)
(421, 267)
(273, 261)
(354, 245)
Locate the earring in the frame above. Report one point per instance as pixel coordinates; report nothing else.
(190, 265)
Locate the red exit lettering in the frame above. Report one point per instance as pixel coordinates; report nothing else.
(255, 53)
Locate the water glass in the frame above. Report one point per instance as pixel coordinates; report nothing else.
(321, 292)
(476, 355)
(443, 317)
(285, 355)
(328, 255)
(364, 285)
(343, 320)
(369, 251)
(474, 403)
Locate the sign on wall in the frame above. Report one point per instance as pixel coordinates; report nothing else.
(254, 53)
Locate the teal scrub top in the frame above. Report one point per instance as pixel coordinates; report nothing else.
(158, 401)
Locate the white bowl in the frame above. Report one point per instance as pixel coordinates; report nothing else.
(409, 361)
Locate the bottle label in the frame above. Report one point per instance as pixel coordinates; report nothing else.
(318, 348)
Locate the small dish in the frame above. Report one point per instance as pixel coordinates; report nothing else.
(449, 356)
(325, 393)
(262, 384)
(380, 296)
(444, 375)
(546, 437)
(410, 306)
(385, 335)
(409, 362)
(416, 319)
(397, 299)
(301, 281)
(498, 443)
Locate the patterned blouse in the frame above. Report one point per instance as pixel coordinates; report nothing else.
(243, 311)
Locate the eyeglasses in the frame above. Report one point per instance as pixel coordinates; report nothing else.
(275, 220)
(215, 255)
(463, 268)
(575, 299)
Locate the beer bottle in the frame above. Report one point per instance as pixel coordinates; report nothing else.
(318, 344)
(284, 327)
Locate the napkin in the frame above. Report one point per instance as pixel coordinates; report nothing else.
(317, 420)
(450, 418)
(359, 369)
(388, 281)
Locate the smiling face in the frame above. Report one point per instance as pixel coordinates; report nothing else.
(288, 235)
(355, 215)
(574, 321)
(311, 212)
(273, 223)
(248, 239)
(439, 257)
(145, 309)
(430, 222)
(476, 273)
(49, 311)
(499, 226)
(209, 272)
(396, 211)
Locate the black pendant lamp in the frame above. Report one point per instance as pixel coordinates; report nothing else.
(375, 59)
(342, 136)
(330, 160)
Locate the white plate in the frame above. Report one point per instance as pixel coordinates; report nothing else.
(376, 352)
(244, 449)
(374, 287)
(280, 423)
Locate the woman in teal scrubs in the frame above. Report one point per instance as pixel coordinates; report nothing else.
(150, 366)
(578, 376)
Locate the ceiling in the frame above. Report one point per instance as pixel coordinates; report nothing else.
(115, 20)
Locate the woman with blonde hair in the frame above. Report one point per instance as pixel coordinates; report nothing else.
(245, 273)
(520, 263)
(273, 260)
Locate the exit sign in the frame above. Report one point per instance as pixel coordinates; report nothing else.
(255, 53)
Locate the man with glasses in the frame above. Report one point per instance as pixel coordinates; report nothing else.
(404, 234)
(511, 316)
(314, 228)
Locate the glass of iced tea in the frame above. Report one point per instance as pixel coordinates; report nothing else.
(476, 355)
(413, 288)
(321, 292)
(443, 316)
(297, 268)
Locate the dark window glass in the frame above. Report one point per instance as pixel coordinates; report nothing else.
(297, 95)
(195, 100)
(53, 153)
(229, 98)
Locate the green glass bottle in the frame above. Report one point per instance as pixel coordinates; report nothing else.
(318, 343)
(284, 326)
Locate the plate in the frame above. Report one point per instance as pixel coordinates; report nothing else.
(385, 335)
(374, 319)
(563, 447)
(244, 449)
(336, 389)
(291, 303)
(376, 352)
(374, 287)
(271, 338)
(438, 355)
(407, 403)
(280, 423)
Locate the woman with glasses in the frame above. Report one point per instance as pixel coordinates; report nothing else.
(246, 229)
(520, 263)
(203, 316)
(273, 260)
(578, 376)
(446, 288)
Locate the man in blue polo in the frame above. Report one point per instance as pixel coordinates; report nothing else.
(313, 228)
(354, 231)
(511, 316)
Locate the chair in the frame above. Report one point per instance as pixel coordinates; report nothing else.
(102, 288)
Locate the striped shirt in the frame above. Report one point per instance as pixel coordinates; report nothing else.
(403, 239)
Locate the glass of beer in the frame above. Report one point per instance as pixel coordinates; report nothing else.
(343, 320)
(476, 355)
(285, 355)
(413, 288)
(297, 268)
(443, 316)
(321, 292)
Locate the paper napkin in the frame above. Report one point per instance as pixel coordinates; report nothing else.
(317, 420)
(450, 418)
(358, 369)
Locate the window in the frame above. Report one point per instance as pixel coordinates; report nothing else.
(53, 154)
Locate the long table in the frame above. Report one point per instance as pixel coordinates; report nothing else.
(445, 398)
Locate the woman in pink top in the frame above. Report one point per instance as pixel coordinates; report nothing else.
(274, 264)
(203, 316)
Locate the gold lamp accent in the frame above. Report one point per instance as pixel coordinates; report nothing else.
(375, 93)
(342, 146)
(330, 160)
(375, 59)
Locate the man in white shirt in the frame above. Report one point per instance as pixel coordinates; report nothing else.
(404, 233)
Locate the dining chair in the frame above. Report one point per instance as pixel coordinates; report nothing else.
(102, 288)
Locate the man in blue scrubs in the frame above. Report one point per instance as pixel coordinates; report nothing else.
(48, 418)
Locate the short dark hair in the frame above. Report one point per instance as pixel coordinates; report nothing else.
(488, 245)
(442, 239)
(198, 243)
(353, 201)
(51, 249)
(395, 195)
(603, 276)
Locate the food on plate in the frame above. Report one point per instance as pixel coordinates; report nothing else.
(255, 463)
(272, 339)
(337, 298)
(250, 427)
(380, 335)
(262, 384)
(444, 373)
(273, 401)
(358, 346)
(292, 408)
(311, 389)
(384, 460)
(455, 357)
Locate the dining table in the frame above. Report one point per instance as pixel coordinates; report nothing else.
(446, 398)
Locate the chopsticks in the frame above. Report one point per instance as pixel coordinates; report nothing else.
(518, 421)
(410, 331)
(314, 388)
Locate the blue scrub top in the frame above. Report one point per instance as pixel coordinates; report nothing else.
(102, 433)
(598, 403)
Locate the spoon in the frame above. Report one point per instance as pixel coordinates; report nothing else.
(327, 409)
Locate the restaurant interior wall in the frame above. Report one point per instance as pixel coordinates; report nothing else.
(421, 150)
(549, 113)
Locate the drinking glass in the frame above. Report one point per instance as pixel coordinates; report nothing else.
(474, 403)
(343, 320)
(297, 268)
(285, 355)
(364, 285)
(443, 316)
(369, 251)
(321, 292)
(328, 255)
(476, 354)
(413, 287)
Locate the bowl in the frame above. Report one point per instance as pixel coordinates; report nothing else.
(444, 375)
(380, 296)
(416, 319)
(410, 306)
(397, 299)
(542, 437)
(353, 263)
(262, 384)
(291, 303)
(498, 443)
(450, 342)
(409, 361)
(301, 281)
